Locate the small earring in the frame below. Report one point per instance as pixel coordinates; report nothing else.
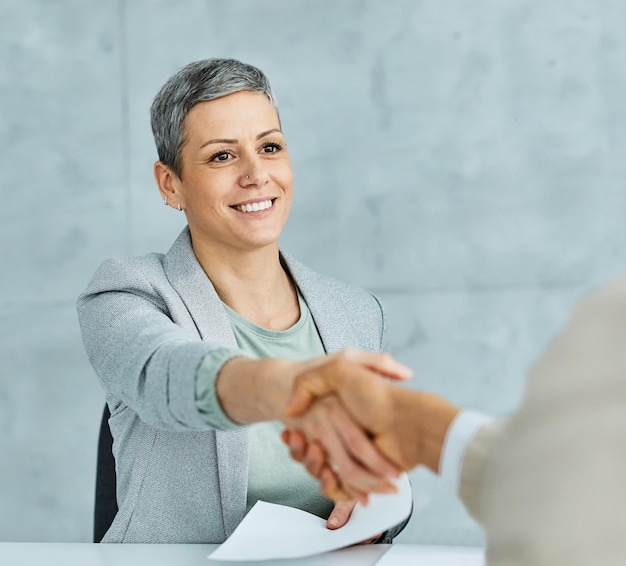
(179, 208)
(165, 201)
(247, 177)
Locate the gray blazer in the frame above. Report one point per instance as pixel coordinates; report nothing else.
(147, 323)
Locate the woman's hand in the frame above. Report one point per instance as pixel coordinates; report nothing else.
(315, 460)
(347, 451)
(340, 515)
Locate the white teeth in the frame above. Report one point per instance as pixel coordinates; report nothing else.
(255, 206)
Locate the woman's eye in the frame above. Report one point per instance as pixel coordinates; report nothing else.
(272, 148)
(221, 156)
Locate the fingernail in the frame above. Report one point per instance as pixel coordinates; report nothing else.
(333, 521)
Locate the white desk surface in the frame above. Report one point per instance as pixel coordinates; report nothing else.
(85, 554)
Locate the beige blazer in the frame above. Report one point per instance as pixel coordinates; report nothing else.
(549, 486)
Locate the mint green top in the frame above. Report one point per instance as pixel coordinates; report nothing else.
(272, 475)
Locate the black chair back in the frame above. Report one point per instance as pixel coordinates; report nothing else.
(105, 507)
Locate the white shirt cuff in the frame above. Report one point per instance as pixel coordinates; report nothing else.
(461, 432)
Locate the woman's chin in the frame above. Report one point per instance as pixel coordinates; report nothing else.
(260, 239)
(249, 244)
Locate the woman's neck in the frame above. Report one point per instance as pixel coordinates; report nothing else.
(252, 283)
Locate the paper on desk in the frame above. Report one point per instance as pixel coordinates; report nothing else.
(407, 555)
(271, 531)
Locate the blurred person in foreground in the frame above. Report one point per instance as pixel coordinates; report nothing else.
(197, 349)
(547, 485)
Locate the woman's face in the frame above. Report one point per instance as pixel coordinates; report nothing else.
(236, 180)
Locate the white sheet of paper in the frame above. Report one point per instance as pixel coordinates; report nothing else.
(271, 531)
(402, 555)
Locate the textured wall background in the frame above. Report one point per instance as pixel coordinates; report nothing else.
(464, 160)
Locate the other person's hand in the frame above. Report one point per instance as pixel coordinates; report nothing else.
(346, 447)
(409, 427)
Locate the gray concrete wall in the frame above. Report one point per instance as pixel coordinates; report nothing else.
(464, 160)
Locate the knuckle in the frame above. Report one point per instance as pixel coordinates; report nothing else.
(349, 353)
(328, 408)
(316, 431)
(385, 358)
(332, 407)
(354, 442)
(346, 355)
(317, 451)
(310, 468)
(349, 471)
(339, 363)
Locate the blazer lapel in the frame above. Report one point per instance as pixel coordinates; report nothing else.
(205, 307)
(197, 292)
(329, 313)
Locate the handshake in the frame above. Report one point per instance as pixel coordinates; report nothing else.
(355, 429)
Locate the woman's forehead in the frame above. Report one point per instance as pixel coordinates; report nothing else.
(243, 111)
(238, 106)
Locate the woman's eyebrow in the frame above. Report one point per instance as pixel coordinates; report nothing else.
(267, 132)
(217, 140)
(234, 141)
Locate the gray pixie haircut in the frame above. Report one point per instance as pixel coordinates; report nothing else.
(198, 82)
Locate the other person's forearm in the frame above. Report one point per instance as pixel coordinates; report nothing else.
(423, 420)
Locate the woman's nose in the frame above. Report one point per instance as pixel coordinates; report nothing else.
(253, 175)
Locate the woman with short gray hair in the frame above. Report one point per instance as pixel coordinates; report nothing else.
(197, 349)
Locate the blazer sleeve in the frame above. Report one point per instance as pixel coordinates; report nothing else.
(474, 467)
(142, 358)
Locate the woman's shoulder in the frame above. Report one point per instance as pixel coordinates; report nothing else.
(350, 305)
(311, 281)
(120, 273)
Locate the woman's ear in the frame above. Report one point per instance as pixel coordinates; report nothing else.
(169, 185)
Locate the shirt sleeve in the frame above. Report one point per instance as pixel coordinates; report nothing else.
(206, 397)
(461, 432)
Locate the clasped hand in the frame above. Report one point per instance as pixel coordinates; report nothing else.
(336, 422)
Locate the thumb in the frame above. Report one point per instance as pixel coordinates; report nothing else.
(381, 363)
(340, 514)
(306, 389)
(323, 379)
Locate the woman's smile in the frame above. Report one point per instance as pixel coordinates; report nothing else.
(254, 206)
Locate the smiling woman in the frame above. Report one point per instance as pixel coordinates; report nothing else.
(197, 349)
(234, 158)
